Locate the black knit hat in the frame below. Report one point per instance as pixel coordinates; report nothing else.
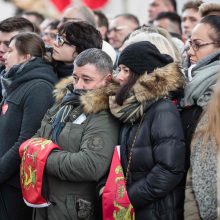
(143, 56)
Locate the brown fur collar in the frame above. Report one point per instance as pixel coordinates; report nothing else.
(60, 88)
(159, 83)
(148, 87)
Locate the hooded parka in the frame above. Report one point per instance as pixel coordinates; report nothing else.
(157, 167)
(87, 144)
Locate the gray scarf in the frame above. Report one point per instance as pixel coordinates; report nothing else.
(199, 90)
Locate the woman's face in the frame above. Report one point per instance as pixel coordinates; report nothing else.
(12, 57)
(48, 36)
(123, 74)
(201, 45)
(63, 50)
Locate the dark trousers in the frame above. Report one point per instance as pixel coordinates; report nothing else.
(12, 206)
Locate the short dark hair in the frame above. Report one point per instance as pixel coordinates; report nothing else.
(100, 59)
(53, 24)
(172, 16)
(130, 17)
(173, 3)
(29, 43)
(82, 35)
(102, 19)
(16, 24)
(40, 18)
(193, 4)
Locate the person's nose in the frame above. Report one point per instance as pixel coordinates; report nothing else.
(3, 48)
(186, 24)
(120, 77)
(190, 52)
(79, 84)
(111, 34)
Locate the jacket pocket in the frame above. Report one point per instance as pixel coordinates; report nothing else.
(79, 208)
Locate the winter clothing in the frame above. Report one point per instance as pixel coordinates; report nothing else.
(87, 138)
(1, 69)
(27, 96)
(204, 173)
(63, 70)
(142, 56)
(157, 165)
(192, 212)
(198, 91)
(197, 95)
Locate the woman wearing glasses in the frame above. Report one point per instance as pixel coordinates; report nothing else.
(72, 39)
(204, 57)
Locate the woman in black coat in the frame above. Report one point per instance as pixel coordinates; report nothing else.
(154, 166)
(27, 84)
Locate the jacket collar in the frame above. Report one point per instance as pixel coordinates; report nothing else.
(148, 87)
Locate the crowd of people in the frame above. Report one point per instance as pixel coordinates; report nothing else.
(89, 83)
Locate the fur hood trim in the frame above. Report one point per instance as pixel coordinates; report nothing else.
(159, 83)
(148, 87)
(61, 89)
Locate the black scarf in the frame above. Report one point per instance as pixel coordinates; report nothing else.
(70, 103)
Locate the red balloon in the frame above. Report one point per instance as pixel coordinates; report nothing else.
(61, 4)
(95, 4)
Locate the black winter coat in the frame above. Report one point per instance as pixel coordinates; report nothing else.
(157, 166)
(28, 97)
(156, 178)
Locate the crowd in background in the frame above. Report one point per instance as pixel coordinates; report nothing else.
(89, 83)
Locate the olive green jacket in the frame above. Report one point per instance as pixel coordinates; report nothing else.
(87, 147)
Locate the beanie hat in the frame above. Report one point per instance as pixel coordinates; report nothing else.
(143, 56)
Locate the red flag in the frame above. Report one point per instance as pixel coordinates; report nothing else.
(61, 4)
(115, 200)
(95, 4)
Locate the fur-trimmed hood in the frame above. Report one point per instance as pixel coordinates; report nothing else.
(148, 87)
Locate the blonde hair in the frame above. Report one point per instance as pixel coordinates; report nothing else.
(163, 43)
(209, 9)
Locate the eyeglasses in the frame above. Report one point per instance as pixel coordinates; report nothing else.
(60, 41)
(196, 46)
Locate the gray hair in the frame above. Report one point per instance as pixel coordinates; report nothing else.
(100, 59)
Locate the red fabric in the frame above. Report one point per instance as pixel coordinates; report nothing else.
(34, 153)
(95, 4)
(61, 4)
(115, 202)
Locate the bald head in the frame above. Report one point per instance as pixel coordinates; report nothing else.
(81, 13)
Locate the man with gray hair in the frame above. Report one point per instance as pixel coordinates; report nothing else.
(81, 124)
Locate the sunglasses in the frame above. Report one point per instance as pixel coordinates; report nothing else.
(60, 41)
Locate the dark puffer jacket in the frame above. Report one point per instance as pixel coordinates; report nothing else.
(156, 179)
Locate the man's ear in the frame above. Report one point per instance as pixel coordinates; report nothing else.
(108, 78)
(75, 54)
(27, 57)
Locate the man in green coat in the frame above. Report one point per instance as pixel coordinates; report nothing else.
(81, 124)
